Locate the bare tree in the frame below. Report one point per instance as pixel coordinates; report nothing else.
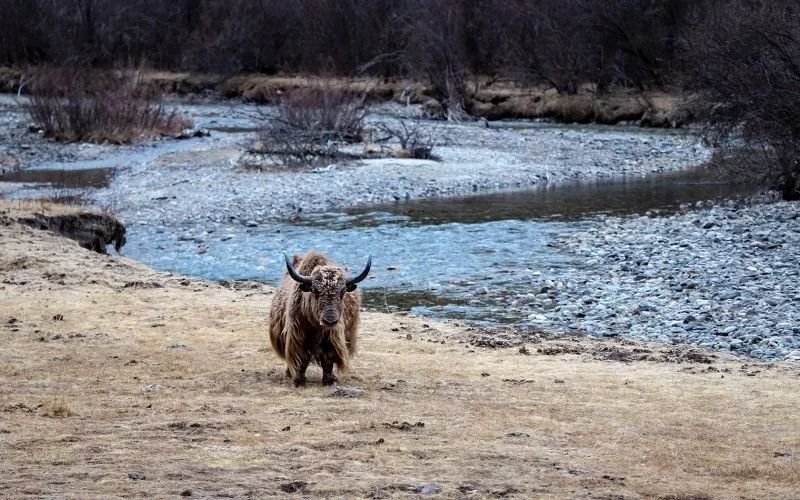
(435, 52)
(742, 59)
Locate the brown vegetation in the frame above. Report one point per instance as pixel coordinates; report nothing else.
(742, 60)
(414, 140)
(311, 123)
(83, 104)
(170, 388)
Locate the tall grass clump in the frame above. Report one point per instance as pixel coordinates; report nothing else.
(74, 104)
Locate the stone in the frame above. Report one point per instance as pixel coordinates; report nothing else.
(429, 489)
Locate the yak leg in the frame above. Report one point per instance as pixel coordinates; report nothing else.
(299, 372)
(296, 355)
(296, 368)
(326, 360)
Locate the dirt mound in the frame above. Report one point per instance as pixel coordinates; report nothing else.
(92, 230)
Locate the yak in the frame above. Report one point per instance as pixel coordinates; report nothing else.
(314, 316)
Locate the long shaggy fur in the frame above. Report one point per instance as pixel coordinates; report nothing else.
(295, 330)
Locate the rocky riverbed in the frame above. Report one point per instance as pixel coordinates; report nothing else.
(721, 276)
(724, 277)
(473, 158)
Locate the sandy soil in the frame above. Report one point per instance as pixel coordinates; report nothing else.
(116, 380)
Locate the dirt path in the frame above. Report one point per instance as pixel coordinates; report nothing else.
(116, 380)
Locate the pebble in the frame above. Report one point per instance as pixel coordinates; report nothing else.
(718, 291)
(429, 489)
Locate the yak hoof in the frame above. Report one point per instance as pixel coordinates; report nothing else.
(299, 381)
(329, 379)
(288, 373)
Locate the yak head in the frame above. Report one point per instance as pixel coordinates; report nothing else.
(327, 285)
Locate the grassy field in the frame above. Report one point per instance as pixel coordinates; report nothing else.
(116, 380)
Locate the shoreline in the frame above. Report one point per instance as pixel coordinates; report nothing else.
(172, 185)
(485, 97)
(472, 160)
(110, 373)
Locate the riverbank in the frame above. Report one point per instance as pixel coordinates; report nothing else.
(723, 276)
(472, 159)
(119, 380)
(485, 97)
(688, 295)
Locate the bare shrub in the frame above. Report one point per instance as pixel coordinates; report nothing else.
(742, 59)
(74, 104)
(311, 124)
(415, 140)
(326, 112)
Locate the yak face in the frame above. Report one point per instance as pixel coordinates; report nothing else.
(327, 285)
(327, 288)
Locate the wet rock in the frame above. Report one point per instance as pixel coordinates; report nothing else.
(430, 489)
(137, 476)
(294, 487)
(193, 133)
(341, 391)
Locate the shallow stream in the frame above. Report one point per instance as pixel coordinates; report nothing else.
(475, 258)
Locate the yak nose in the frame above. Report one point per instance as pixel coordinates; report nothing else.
(327, 321)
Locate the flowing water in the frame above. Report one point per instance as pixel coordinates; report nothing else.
(475, 258)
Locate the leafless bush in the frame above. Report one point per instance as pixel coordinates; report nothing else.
(415, 139)
(742, 59)
(75, 104)
(324, 112)
(311, 124)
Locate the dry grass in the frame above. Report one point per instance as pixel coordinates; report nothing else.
(171, 379)
(26, 207)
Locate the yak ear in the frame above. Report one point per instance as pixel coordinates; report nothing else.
(351, 287)
(305, 287)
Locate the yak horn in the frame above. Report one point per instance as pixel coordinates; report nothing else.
(363, 275)
(306, 280)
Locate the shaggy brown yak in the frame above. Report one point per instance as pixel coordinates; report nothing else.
(314, 316)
